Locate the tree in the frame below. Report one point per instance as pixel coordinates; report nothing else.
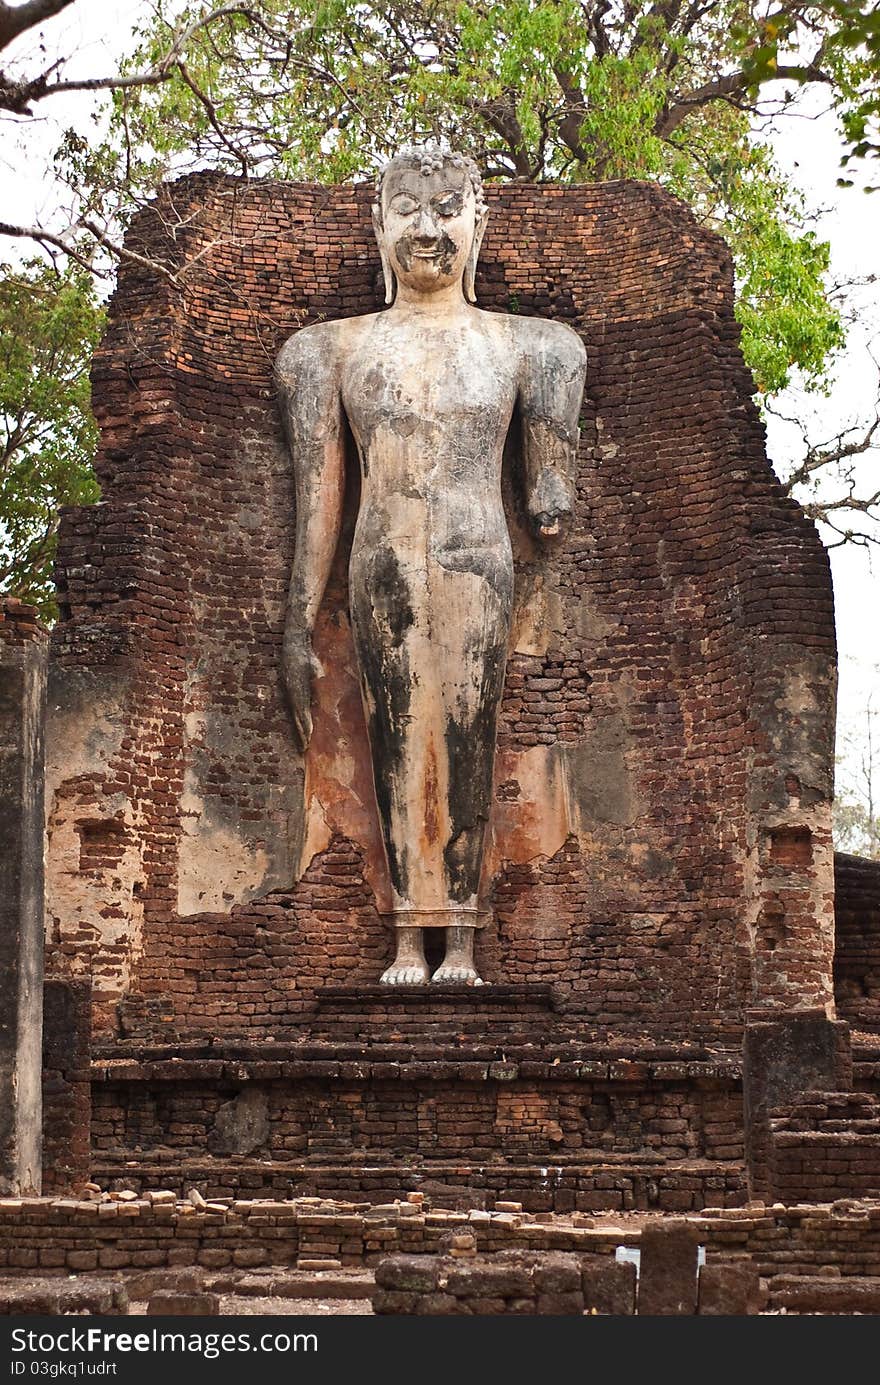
(857, 801)
(534, 89)
(49, 327)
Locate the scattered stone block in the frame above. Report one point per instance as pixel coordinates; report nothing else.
(668, 1269)
(609, 1287)
(413, 1273)
(170, 1303)
(729, 1290)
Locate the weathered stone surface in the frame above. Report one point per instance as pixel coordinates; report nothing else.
(179, 1281)
(609, 1286)
(508, 1281)
(783, 1058)
(67, 1095)
(23, 649)
(857, 940)
(439, 1305)
(394, 1301)
(560, 1304)
(55, 1297)
(241, 1125)
(815, 1294)
(668, 1269)
(557, 1274)
(408, 1272)
(172, 1303)
(729, 1290)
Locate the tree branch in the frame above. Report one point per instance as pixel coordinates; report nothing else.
(501, 117)
(723, 88)
(211, 112)
(569, 127)
(119, 252)
(17, 96)
(15, 20)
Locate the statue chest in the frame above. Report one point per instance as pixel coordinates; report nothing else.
(428, 383)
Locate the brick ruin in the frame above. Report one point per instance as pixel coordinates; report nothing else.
(662, 851)
(661, 873)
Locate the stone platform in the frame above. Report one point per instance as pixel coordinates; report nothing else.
(486, 1092)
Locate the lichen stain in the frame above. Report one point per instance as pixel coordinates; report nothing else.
(339, 795)
(216, 865)
(432, 825)
(538, 621)
(536, 823)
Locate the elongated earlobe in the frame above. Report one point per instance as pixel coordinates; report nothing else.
(387, 271)
(470, 269)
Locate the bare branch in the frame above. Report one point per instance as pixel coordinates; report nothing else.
(731, 84)
(211, 112)
(122, 252)
(569, 127)
(15, 20)
(46, 238)
(500, 115)
(18, 96)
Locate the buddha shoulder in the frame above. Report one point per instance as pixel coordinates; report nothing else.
(316, 352)
(545, 344)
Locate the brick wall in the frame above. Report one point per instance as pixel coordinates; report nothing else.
(857, 940)
(578, 1134)
(683, 868)
(824, 1147)
(64, 1234)
(67, 1084)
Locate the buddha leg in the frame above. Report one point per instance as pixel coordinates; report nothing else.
(431, 644)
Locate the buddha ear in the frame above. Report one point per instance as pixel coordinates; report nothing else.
(470, 269)
(387, 271)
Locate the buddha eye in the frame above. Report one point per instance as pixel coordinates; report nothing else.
(404, 205)
(449, 204)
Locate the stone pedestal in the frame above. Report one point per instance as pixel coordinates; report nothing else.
(782, 1059)
(22, 715)
(668, 1271)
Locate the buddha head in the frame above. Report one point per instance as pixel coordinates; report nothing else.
(429, 217)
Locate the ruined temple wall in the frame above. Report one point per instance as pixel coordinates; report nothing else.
(661, 840)
(857, 953)
(23, 649)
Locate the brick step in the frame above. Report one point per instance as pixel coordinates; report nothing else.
(398, 1000)
(625, 1183)
(131, 1062)
(53, 1296)
(811, 1294)
(445, 1014)
(499, 1036)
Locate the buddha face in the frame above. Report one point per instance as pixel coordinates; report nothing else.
(427, 225)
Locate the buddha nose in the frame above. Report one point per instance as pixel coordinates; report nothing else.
(426, 226)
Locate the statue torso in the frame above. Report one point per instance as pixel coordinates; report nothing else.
(429, 403)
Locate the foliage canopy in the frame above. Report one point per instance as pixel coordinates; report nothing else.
(49, 327)
(571, 90)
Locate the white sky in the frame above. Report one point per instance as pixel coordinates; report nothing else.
(809, 148)
(97, 31)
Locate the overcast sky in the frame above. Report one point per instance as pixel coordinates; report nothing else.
(808, 148)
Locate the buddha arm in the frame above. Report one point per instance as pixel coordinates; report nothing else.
(550, 393)
(311, 409)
